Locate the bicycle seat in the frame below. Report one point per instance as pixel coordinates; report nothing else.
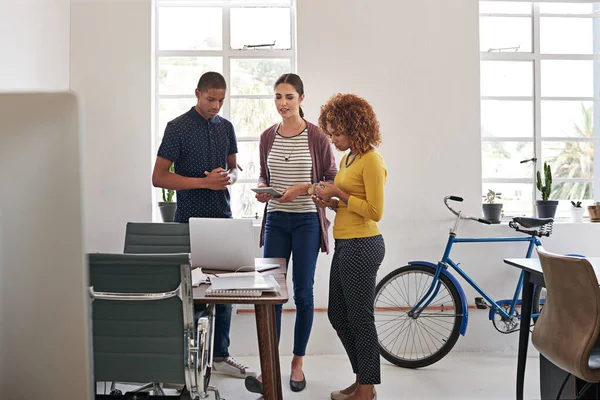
(532, 222)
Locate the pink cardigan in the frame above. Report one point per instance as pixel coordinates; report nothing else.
(323, 169)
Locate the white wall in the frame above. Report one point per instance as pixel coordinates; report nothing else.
(111, 72)
(34, 45)
(417, 62)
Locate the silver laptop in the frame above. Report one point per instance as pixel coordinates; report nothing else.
(222, 243)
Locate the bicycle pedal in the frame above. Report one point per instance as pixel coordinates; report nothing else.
(480, 303)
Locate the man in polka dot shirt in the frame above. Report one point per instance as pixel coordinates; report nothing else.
(202, 146)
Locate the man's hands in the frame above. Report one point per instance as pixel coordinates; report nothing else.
(217, 179)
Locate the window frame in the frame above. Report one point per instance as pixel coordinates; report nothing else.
(536, 98)
(227, 54)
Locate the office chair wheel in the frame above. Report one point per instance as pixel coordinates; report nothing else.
(116, 392)
(186, 395)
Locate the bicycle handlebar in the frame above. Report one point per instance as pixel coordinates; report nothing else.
(459, 213)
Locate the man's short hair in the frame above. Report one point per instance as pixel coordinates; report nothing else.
(211, 80)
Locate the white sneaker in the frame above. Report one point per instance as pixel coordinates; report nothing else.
(231, 367)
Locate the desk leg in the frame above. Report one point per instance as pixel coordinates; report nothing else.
(269, 351)
(527, 302)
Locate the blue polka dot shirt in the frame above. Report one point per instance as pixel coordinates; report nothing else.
(196, 145)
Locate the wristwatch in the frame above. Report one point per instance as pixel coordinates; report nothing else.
(311, 189)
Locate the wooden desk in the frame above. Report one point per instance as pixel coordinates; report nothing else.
(266, 325)
(533, 275)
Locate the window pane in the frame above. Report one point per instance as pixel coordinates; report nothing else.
(501, 118)
(516, 197)
(256, 26)
(569, 159)
(572, 191)
(566, 35)
(504, 7)
(502, 160)
(243, 201)
(248, 158)
(506, 78)
(256, 76)
(170, 109)
(501, 34)
(568, 8)
(180, 75)
(251, 117)
(567, 118)
(190, 28)
(567, 78)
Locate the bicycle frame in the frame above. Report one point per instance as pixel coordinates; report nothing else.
(447, 262)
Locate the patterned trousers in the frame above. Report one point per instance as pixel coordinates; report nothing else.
(352, 283)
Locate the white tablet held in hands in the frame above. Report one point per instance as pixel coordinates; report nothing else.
(268, 190)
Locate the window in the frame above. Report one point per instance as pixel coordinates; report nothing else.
(540, 83)
(251, 43)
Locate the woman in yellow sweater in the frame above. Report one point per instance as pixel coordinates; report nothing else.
(357, 196)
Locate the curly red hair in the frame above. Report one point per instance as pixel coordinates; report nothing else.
(353, 117)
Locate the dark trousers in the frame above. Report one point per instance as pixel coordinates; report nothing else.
(352, 283)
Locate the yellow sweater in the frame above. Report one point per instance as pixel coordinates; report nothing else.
(364, 181)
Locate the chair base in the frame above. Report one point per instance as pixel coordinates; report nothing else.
(140, 395)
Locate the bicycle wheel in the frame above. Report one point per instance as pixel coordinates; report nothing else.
(539, 297)
(409, 341)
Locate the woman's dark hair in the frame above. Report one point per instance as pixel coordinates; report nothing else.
(296, 82)
(353, 117)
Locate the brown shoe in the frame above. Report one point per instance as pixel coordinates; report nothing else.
(338, 395)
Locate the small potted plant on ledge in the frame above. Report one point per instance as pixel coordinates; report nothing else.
(594, 212)
(491, 209)
(576, 212)
(167, 207)
(545, 208)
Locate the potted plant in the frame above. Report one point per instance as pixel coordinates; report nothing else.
(491, 209)
(168, 207)
(576, 212)
(545, 208)
(594, 212)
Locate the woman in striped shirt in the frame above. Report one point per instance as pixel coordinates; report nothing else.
(294, 155)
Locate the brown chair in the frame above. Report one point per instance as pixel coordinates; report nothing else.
(567, 330)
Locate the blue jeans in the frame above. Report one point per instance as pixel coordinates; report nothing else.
(299, 235)
(222, 325)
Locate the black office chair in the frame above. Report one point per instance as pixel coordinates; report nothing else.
(143, 323)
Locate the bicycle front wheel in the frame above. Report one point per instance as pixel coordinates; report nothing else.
(419, 340)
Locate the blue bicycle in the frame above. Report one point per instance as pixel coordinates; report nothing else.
(420, 309)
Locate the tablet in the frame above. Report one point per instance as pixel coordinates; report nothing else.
(268, 190)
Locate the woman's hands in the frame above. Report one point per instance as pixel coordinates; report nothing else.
(326, 190)
(263, 197)
(292, 193)
(289, 195)
(319, 202)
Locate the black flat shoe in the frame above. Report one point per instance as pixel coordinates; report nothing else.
(298, 386)
(253, 385)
